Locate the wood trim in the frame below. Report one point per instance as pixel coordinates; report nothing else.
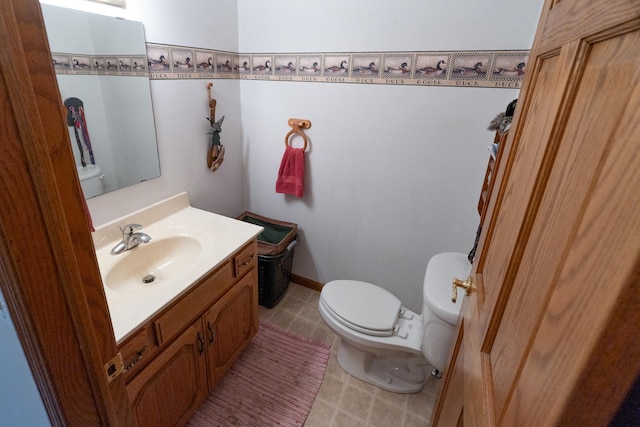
(451, 388)
(54, 294)
(307, 283)
(584, 16)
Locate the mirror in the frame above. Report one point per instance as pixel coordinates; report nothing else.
(102, 75)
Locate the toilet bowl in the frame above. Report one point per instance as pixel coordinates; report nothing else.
(386, 344)
(91, 180)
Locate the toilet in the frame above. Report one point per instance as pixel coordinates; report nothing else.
(386, 344)
(91, 180)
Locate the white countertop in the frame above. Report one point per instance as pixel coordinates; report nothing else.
(219, 236)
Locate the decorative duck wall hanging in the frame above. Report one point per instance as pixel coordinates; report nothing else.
(215, 152)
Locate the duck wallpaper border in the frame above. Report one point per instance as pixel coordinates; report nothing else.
(487, 68)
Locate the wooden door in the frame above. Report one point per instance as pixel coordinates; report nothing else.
(549, 336)
(229, 325)
(48, 268)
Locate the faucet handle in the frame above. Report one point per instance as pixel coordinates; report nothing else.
(130, 228)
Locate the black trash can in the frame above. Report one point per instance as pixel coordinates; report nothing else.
(275, 256)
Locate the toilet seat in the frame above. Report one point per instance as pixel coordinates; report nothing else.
(361, 306)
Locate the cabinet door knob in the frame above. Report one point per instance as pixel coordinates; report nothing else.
(212, 334)
(201, 341)
(249, 261)
(136, 360)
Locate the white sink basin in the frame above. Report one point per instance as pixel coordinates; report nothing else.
(153, 264)
(186, 244)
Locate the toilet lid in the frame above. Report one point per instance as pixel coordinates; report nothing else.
(362, 306)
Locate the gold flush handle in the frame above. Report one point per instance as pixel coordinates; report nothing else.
(468, 285)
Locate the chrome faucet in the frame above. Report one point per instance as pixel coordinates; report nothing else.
(130, 239)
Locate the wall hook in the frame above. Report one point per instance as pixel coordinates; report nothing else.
(212, 103)
(297, 126)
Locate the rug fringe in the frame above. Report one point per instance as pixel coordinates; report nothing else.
(291, 335)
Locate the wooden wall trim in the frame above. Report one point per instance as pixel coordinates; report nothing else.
(307, 283)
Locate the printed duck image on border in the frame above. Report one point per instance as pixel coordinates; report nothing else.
(205, 62)
(224, 62)
(60, 61)
(124, 64)
(285, 65)
(81, 62)
(509, 66)
(261, 64)
(310, 65)
(431, 66)
(336, 65)
(397, 66)
(470, 66)
(242, 64)
(182, 60)
(99, 64)
(139, 64)
(365, 66)
(158, 58)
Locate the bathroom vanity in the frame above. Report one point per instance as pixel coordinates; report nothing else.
(179, 334)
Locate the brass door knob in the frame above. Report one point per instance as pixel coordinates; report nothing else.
(468, 285)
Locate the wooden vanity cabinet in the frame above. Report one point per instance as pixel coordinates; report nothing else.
(195, 341)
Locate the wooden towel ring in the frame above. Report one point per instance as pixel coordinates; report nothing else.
(296, 124)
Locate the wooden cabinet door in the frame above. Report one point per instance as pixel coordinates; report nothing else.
(549, 335)
(169, 390)
(229, 325)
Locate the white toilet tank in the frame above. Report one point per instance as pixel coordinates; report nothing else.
(91, 180)
(439, 313)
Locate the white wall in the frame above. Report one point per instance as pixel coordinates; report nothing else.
(20, 401)
(393, 173)
(385, 25)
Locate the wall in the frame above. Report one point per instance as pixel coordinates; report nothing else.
(393, 173)
(20, 402)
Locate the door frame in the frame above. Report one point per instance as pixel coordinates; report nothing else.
(48, 268)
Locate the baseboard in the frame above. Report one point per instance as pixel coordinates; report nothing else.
(307, 283)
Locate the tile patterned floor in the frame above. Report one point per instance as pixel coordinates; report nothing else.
(344, 400)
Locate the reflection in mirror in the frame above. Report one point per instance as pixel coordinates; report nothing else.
(102, 75)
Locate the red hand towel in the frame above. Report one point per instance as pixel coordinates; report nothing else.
(291, 174)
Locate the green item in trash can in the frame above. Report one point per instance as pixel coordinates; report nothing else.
(272, 233)
(276, 235)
